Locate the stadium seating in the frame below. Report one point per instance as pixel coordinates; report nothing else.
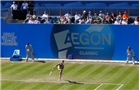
(99, 5)
(75, 4)
(119, 5)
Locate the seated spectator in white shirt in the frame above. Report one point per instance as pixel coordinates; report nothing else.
(117, 22)
(77, 17)
(124, 21)
(89, 18)
(45, 17)
(31, 21)
(37, 21)
(68, 17)
(101, 16)
(136, 21)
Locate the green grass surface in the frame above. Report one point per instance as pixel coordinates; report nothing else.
(76, 76)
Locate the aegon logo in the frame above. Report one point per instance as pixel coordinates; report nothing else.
(90, 43)
(86, 39)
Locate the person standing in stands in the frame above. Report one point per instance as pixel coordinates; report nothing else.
(24, 8)
(30, 7)
(14, 8)
(130, 52)
(29, 50)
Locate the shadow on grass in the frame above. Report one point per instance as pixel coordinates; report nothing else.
(41, 61)
(73, 82)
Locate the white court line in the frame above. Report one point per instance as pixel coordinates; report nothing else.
(43, 81)
(98, 86)
(119, 87)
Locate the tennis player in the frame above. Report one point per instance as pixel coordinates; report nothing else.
(60, 68)
(29, 50)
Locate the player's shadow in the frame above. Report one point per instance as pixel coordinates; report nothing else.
(73, 82)
(41, 61)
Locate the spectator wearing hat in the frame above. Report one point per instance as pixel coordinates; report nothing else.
(101, 16)
(83, 17)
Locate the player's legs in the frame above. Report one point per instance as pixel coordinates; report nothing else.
(60, 74)
(133, 61)
(32, 57)
(27, 55)
(128, 57)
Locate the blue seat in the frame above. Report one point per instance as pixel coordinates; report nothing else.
(95, 5)
(119, 5)
(72, 5)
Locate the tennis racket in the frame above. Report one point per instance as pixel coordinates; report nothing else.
(50, 73)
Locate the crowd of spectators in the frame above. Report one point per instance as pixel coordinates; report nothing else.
(19, 9)
(25, 11)
(84, 18)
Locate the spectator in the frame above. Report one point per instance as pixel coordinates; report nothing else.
(117, 22)
(136, 21)
(30, 7)
(77, 17)
(27, 16)
(24, 8)
(113, 17)
(89, 18)
(34, 15)
(31, 21)
(96, 19)
(61, 17)
(64, 21)
(68, 17)
(83, 17)
(124, 21)
(19, 12)
(125, 15)
(107, 19)
(119, 16)
(37, 21)
(101, 16)
(45, 17)
(14, 8)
